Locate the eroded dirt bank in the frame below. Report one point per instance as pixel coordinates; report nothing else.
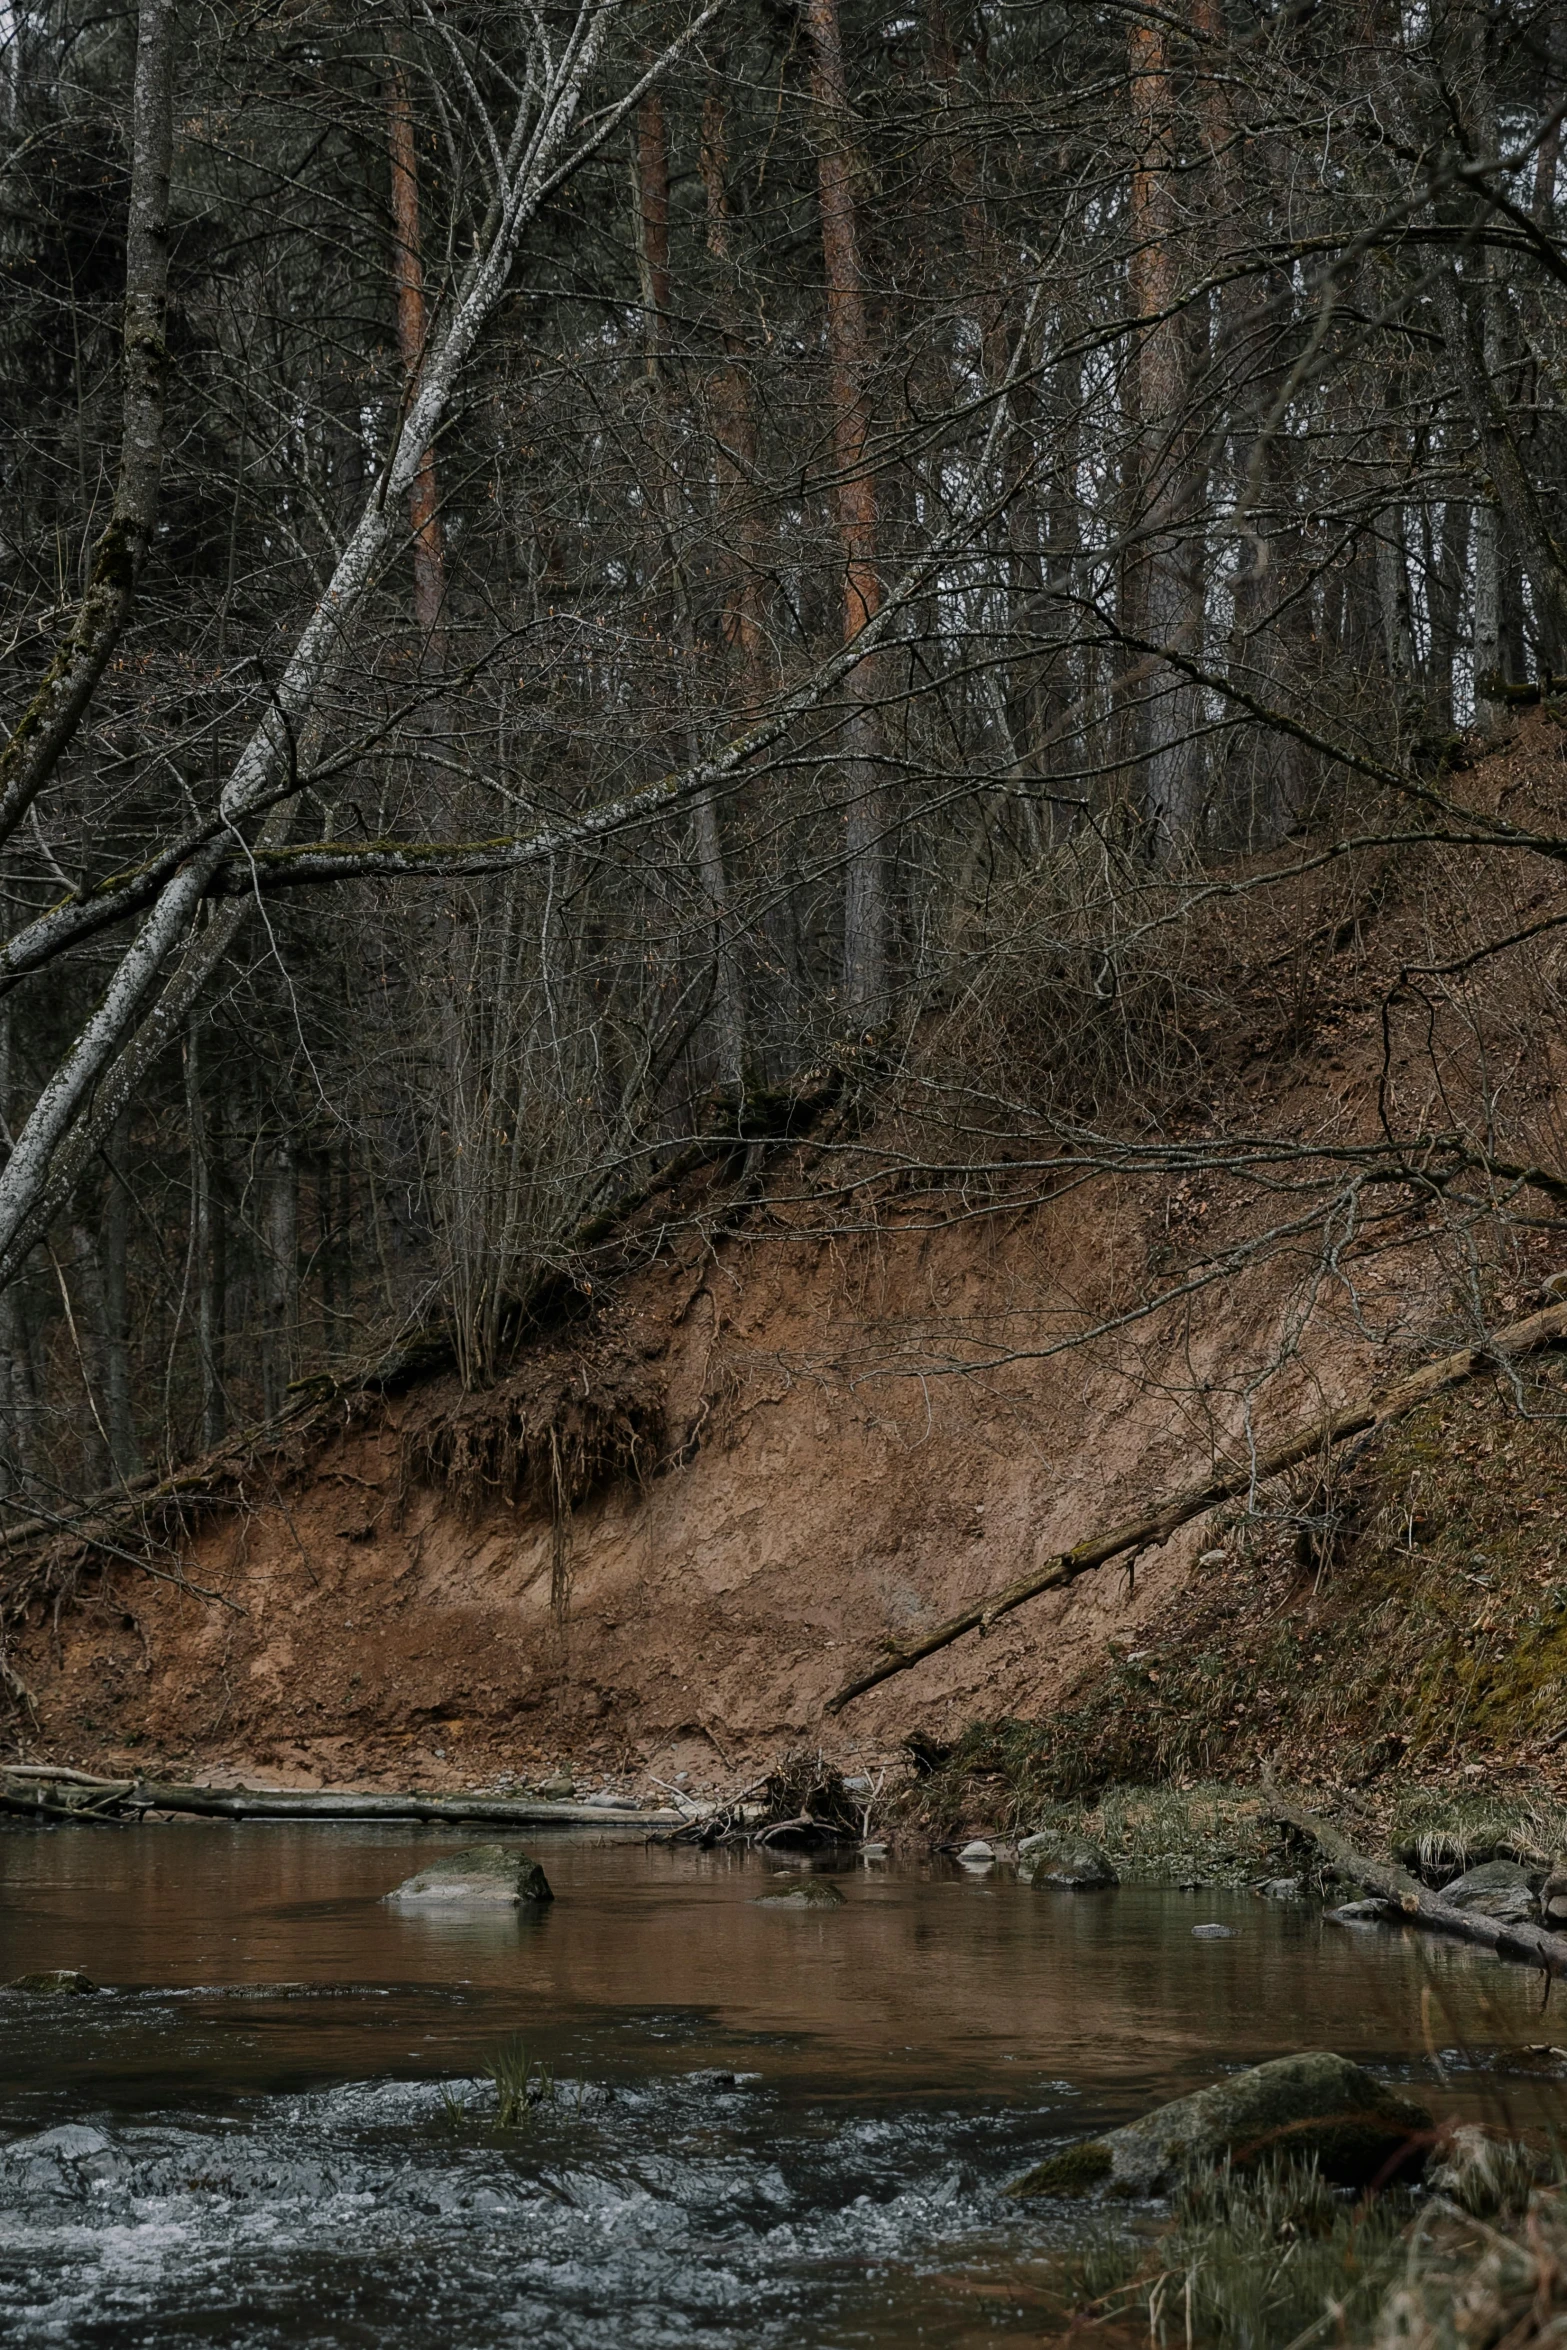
(693, 1511)
(805, 1467)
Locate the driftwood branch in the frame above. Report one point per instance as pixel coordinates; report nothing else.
(1157, 1525)
(1406, 1897)
(35, 1790)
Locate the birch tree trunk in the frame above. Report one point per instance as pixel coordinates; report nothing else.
(530, 161)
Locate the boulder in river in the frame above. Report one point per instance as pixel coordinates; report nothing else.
(1496, 1889)
(481, 1876)
(1373, 1911)
(1313, 2106)
(812, 1893)
(61, 1982)
(1066, 1862)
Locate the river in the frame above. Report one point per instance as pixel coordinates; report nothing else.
(271, 2125)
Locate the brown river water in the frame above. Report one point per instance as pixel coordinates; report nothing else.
(271, 2125)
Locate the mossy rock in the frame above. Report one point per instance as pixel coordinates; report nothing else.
(481, 1876)
(814, 1893)
(1065, 1863)
(1313, 2107)
(1076, 2170)
(61, 1982)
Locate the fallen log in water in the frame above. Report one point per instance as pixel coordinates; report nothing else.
(1155, 1526)
(1416, 1904)
(39, 1790)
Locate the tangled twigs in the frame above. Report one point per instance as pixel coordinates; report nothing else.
(801, 1801)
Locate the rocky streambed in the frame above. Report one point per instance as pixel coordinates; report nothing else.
(733, 2119)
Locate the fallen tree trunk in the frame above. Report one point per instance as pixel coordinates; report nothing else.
(75, 1795)
(1404, 1894)
(1155, 1526)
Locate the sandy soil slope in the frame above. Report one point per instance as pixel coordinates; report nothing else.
(846, 1436)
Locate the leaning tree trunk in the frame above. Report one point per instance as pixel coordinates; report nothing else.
(264, 773)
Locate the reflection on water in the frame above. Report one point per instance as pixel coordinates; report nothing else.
(771, 2127)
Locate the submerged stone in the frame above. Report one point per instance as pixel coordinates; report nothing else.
(1315, 2106)
(1064, 1862)
(1215, 1933)
(482, 1876)
(815, 1893)
(1496, 1889)
(62, 1982)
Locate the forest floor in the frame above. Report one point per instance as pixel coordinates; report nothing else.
(791, 1435)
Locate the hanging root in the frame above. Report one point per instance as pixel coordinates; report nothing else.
(549, 1436)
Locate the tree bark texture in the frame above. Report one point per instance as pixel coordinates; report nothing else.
(55, 1793)
(739, 517)
(865, 920)
(1170, 611)
(413, 334)
(52, 717)
(650, 184)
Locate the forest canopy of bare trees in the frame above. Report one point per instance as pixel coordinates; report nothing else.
(569, 567)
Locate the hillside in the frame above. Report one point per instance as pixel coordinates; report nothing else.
(805, 1417)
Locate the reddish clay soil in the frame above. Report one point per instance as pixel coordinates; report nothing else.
(374, 1627)
(824, 1463)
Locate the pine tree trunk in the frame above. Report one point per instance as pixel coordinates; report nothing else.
(204, 1121)
(118, 1398)
(39, 739)
(650, 183)
(1169, 612)
(865, 910)
(413, 331)
(740, 528)
(280, 1273)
